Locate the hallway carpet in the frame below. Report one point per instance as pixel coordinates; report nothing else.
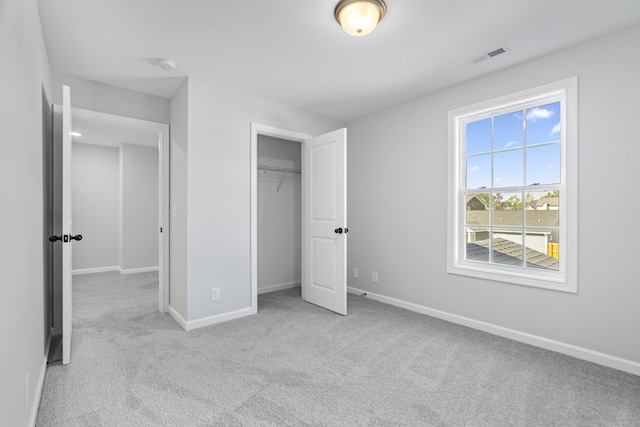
(295, 364)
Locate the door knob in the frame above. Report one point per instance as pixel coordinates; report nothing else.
(65, 238)
(338, 230)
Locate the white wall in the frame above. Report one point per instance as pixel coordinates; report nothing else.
(25, 84)
(397, 187)
(279, 214)
(217, 207)
(96, 203)
(140, 216)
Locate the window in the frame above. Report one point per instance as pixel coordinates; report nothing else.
(513, 188)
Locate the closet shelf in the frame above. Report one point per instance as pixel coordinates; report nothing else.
(276, 169)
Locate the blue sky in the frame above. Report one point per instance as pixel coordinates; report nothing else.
(542, 161)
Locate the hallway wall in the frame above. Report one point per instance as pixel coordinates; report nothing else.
(96, 206)
(139, 206)
(115, 207)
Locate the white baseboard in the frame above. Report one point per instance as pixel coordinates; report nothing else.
(114, 268)
(178, 318)
(138, 270)
(278, 287)
(95, 270)
(208, 321)
(37, 396)
(548, 344)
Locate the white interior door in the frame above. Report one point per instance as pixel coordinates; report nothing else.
(67, 236)
(325, 221)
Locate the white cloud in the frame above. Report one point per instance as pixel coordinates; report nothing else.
(538, 113)
(497, 179)
(556, 129)
(474, 168)
(509, 144)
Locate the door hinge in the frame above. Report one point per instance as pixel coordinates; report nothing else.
(161, 229)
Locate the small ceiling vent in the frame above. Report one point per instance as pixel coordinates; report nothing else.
(484, 56)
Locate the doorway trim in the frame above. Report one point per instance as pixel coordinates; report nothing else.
(258, 129)
(162, 130)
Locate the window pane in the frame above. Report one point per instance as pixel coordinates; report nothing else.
(507, 247)
(507, 208)
(542, 249)
(543, 123)
(479, 171)
(543, 208)
(477, 212)
(508, 170)
(508, 131)
(543, 164)
(478, 139)
(477, 244)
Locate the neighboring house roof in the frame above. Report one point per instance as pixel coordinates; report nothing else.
(475, 203)
(509, 253)
(543, 218)
(550, 201)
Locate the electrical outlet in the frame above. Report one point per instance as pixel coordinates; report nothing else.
(26, 390)
(356, 272)
(374, 276)
(215, 294)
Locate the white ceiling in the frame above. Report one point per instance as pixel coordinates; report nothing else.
(99, 133)
(294, 52)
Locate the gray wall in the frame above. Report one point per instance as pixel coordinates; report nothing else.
(94, 96)
(96, 204)
(25, 84)
(140, 226)
(279, 214)
(397, 183)
(115, 207)
(216, 173)
(178, 190)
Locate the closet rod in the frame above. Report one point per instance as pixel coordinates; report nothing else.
(275, 169)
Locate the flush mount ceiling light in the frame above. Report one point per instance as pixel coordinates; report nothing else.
(359, 17)
(167, 64)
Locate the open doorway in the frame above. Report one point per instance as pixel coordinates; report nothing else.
(136, 151)
(104, 220)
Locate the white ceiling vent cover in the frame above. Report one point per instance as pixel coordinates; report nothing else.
(484, 56)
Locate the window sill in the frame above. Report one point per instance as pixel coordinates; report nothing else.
(514, 276)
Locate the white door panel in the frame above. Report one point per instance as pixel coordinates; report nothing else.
(325, 221)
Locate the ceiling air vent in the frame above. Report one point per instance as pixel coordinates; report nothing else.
(484, 56)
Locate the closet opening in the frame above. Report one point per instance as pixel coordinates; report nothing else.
(307, 234)
(277, 178)
(279, 214)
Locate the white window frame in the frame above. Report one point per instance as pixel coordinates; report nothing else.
(565, 279)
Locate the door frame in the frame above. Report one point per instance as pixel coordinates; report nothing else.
(162, 130)
(258, 129)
